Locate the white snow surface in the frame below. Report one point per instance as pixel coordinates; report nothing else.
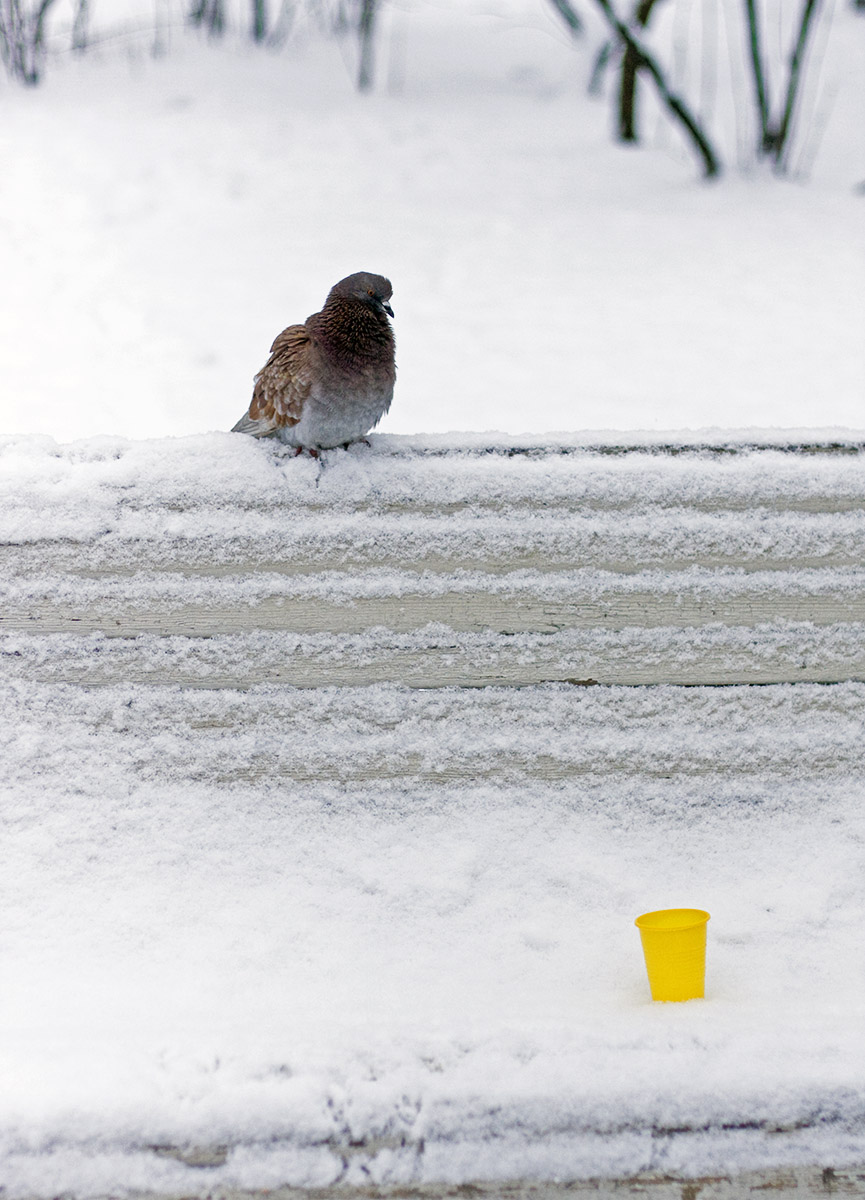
(383, 935)
(161, 220)
(200, 949)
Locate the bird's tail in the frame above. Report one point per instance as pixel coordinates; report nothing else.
(254, 428)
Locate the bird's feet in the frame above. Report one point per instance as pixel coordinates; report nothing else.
(314, 452)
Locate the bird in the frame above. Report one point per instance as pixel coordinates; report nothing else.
(329, 381)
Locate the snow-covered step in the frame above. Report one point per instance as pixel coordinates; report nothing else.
(507, 736)
(385, 936)
(549, 539)
(320, 872)
(219, 561)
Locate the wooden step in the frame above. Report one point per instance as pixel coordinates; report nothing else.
(435, 566)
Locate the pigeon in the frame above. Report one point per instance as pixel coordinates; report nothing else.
(329, 381)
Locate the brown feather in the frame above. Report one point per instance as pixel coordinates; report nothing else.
(283, 383)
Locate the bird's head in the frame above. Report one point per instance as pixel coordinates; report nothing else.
(372, 290)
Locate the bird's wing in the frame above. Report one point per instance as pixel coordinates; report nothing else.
(281, 386)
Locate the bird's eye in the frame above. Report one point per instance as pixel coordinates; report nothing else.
(370, 292)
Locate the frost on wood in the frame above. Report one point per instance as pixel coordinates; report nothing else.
(409, 562)
(286, 902)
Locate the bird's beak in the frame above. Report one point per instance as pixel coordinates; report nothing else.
(387, 308)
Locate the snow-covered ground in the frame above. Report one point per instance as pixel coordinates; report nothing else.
(200, 950)
(162, 219)
(383, 934)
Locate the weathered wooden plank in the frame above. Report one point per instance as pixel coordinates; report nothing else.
(84, 495)
(300, 541)
(466, 736)
(436, 657)
(459, 611)
(626, 545)
(496, 546)
(620, 540)
(784, 1183)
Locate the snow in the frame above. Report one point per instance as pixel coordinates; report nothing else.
(223, 486)
(357, 934)
(378, 934)
(251, 960)
(199, 948)
(166, 218)
(222, 523)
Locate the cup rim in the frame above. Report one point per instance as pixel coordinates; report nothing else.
(689, 919)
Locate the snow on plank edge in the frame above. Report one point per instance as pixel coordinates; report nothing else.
(623, 563)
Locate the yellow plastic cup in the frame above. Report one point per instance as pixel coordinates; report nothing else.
(674, 947)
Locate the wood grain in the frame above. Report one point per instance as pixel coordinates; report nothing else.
(675, 567)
